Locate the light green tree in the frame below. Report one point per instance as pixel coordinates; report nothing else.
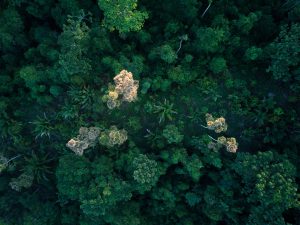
(122, 15)
(172, 134)
(146, 172)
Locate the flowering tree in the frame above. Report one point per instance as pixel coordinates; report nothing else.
(124, 90)
(87, 138)
(112, 137)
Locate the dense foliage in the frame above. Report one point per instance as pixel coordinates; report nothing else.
(139, 112)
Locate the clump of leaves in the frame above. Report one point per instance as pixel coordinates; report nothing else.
(5, 161)
(192, 199)
(122, 15)
(83, 97)
(181, 74)
(268, 181)
(39, 166)
(172, 134)
(253, 53)
(285, 58)
(165, 110)
(146, 172)
(124, 90)
(217, 65)
(73, 63)
(25, 180)
(134, 123)
(192, 165)
(72, 175)
(167, 54)
(209, 39)
(155, 139)
(145, 169)
(230, 144)
(43, 127)
(217, 124)
(87, 138)
(69, 112)
(112, 137)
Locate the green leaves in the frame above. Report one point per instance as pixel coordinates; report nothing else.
(246, 23)
(30, 75)
(193, 166)
(181, 74)
(192, 199)
(73, 175)
(213, 207)
(167, 54)
(73, 41)
(11, 24)
(172, 134)
(217, 65)
(285, 55)
(112, 137)
(25, 180)
(43, 127)
(165, 110)
(95, 204)
(122, 15)
(145, 170)
(209, 39)
(253, 53)
(269, 184)
(39, 167)
(40, 213)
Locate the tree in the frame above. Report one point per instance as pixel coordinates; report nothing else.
(112, 137)
(172, 134)
(246, 23)
(193, 165)
(122, 15)
(182, 74)
(268, 184)
(73, 175)
(165, 53)
(253, 53)
(146, 172)
(285, 55)
(217, 65)
(106, 191)
(73, 41)
(11, 24)
(208, 39)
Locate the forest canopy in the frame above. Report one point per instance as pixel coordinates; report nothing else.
(143, 112)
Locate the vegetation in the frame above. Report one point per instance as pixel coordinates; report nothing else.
(135, 112)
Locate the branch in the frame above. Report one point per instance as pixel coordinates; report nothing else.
(203, 14)
(13, 158)
(212, 138)
(179, 46)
